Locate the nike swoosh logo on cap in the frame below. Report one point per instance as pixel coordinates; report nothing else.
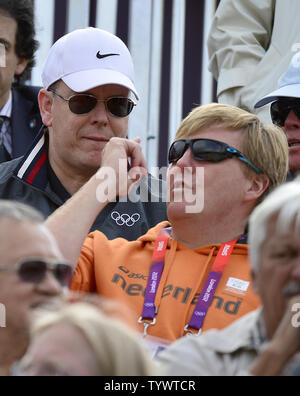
(99, 56)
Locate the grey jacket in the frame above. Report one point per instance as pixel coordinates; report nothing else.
(26, 180)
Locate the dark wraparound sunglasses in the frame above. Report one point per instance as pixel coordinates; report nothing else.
(207, 150)
(282, 108)
(83, 104)
(34, 270)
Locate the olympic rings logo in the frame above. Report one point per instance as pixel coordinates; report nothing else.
(125, 219)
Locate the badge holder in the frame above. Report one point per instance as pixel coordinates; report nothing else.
(191, 333)
(146, 323)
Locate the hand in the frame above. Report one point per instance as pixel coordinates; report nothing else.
(283, 346)
(114, 167)
(287, 336)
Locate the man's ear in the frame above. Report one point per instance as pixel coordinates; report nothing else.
(21, 66)
(45, 99)
(257, 187)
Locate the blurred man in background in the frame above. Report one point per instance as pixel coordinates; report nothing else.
(33, 275)
(285, 110)
(20, 119)
(250, 45)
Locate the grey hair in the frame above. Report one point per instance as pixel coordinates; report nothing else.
(283, 205)
(16, 211)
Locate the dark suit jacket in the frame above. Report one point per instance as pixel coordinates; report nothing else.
(26, 121)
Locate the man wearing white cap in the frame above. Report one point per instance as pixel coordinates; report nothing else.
(285, 110)
(88, 81)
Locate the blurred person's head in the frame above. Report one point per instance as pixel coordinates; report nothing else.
(17, 32)
(88, 79)
(79, 340)
(275, 251)
(114, 309)
(242, 160)
(285, 109)
(30, 277)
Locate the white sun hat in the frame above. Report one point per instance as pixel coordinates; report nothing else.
(288, 85)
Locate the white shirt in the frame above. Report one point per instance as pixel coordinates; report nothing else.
(7, 108)
(5, 133)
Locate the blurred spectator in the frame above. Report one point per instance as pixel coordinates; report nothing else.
(285, 110)
(88, 79)
(32, 275)
(176, 265)
(81, 341)
(20, 118)
(250, 46)
(115, 309)
(263, 342)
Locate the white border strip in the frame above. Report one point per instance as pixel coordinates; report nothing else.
(44, 19)
(155, 82)
(78, 14)
(207, 77)
(106, 18)
(177, 67)
(31, 157)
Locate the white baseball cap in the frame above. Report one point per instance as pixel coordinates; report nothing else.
(288, 85)
(88, 58)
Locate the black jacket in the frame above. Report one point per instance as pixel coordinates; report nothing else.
(26, 180)
(25, 121)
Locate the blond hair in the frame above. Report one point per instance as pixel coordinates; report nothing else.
(265, 146)
(117, 349)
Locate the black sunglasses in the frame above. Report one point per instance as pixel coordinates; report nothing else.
(83, 104)
(282, 108)
(34, 270)
(207, 150)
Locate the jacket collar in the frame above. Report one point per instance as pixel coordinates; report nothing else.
(248, 333)
(7, 108)
(33, 169)
(25, 118)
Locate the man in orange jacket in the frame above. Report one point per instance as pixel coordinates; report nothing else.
(191, 274)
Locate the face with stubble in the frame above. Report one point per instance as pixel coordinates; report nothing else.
(76, 141)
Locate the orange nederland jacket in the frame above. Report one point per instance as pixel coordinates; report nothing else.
(119, 269)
